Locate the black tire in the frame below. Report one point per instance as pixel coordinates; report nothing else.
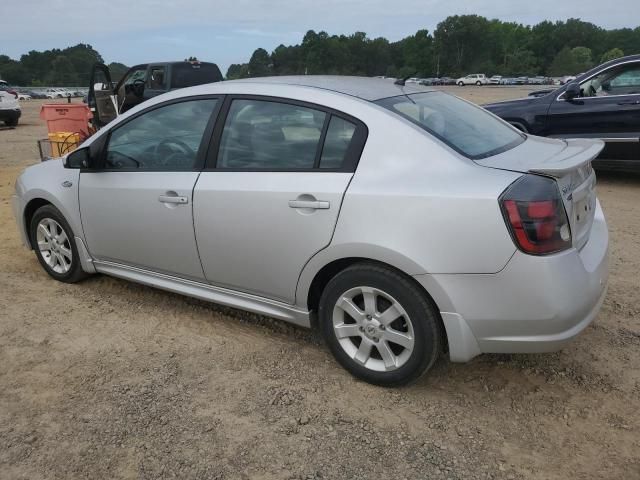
(479, 83)
(75, 272)
(425, 320)
(460, 84)
(11, 123)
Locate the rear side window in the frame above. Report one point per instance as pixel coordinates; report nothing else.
(466, 128)
(270, 135)
(191, 74)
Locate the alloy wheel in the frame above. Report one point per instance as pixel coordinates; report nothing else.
(373, 329)
(54, 245)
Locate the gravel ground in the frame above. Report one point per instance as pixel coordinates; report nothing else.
(109, 379)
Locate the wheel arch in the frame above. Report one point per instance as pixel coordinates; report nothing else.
(29, 211)
(324, 274)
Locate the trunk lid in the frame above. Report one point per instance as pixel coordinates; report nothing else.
(569, 162)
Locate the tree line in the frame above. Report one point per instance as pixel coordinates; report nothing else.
(61, 67)
(460, 44)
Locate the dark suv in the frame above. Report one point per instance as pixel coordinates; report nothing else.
(141, 83)
(601, 103)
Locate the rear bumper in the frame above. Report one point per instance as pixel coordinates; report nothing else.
(535, 304)
(10, 114)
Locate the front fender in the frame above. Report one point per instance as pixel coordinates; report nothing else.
(51, 182)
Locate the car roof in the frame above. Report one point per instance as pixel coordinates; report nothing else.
(365, 88)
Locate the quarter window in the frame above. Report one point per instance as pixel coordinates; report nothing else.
(337, 143)
(270, 135)
(166, 138)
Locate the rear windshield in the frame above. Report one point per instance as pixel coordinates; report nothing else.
(188, 75)
(469, 129)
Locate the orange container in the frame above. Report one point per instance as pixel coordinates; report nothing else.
(66, 117)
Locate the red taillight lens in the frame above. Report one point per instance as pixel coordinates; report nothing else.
(535, 215)
(13, 92)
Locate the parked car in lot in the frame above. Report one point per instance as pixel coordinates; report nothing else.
(447, 81)
(603, 103)
(496, 80)
(473, 79)
(141, 83)
(9, 107)
(57, 93)
(292, 197)
(23, 96)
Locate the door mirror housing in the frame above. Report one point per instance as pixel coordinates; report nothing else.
(80, 158)
(572, 91)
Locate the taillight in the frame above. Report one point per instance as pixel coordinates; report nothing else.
(533, 210)
(13, 92)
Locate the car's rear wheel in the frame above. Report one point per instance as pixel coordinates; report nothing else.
(379, 325)
(461, 84)
(54, 244)
(479, 83)
(12, 122)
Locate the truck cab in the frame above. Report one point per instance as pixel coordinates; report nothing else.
(142, 82)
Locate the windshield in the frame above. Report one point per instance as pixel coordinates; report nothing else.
(469, 129)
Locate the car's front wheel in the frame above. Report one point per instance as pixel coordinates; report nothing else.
(379, 325)
(54, 244)
(461, 84)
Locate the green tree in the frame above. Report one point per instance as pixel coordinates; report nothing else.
(62, 72)
(611, 55)
(260, 63)
(117, 70)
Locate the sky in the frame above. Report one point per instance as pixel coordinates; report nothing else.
(225, 32)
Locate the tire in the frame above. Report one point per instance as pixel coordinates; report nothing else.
(11, 123)
(461, 84)
(478, 83)
(64, 267)
(370, 332)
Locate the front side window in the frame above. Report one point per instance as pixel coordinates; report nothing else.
(166, 138)
(269, 135)
(620, 80)
(469, 129)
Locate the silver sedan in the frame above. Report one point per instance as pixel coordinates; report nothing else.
(403, 221)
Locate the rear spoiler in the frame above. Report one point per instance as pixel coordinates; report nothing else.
(578, 153)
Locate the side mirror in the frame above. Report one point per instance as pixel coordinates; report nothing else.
(572, 91)
(79, 158)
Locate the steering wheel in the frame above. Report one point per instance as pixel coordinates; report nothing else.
(137, 87)
(170, 152)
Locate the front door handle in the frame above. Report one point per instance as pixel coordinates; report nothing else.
(173, 199)
(312, 204)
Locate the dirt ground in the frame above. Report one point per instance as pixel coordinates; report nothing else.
(109, 379)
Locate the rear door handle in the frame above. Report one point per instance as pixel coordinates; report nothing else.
(313, 204)
(173, 199)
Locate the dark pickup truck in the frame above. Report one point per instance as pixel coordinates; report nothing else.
(141, 83)
(602, 103)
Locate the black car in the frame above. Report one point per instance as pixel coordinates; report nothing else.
(141, 83)
(601, 103)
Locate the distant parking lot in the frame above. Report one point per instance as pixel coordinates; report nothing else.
(109, 379)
